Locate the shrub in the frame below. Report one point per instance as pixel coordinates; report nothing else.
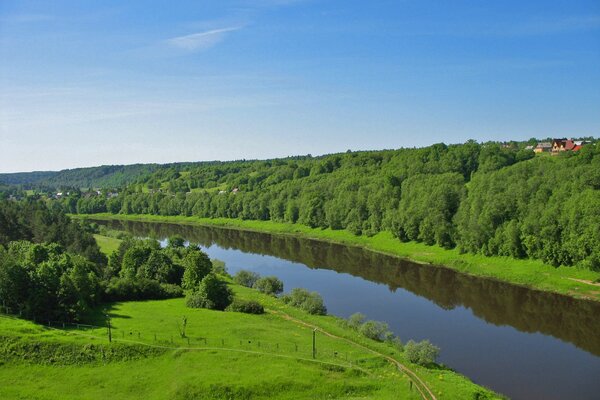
(219, 268)
(212, 293)
(422, 353)
(375, 330)
(120, 289)
(311, 302)
(246, 306)
(269, 285)
(356, 320)
(246, 278)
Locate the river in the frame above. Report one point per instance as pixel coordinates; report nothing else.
(523, 343)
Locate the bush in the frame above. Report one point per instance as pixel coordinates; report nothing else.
(246, 278)
(311, 302)
(422, 353)
(356, 320)
(246, 306)
(269, 285)
(212, 293)
(219, 268)
(375, 330)
(120, 289)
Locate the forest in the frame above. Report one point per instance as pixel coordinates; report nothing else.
(482, 198)
(485, 198)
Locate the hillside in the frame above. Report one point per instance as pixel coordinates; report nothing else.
(250, 356)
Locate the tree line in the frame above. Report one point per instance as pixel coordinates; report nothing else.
(481, 198)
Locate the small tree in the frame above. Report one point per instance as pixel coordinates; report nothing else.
(269, 285)
(197, 265)
(374, 330)
(212, 293)
(246, 278)
(356, 320)
(422, 353)
(311, 302)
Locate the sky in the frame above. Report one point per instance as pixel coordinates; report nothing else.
(85, 83)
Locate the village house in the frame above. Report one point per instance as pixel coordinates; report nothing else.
(543, 147)
(560, 145)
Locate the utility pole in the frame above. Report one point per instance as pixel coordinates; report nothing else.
(109, 331)
(314, 354)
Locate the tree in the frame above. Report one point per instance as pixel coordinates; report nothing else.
(423, 353)
(269, 285)
(246, 278)
(197, 265)
(212, 293)
(311, 302)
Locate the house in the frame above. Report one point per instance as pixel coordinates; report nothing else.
(543, 147)
(559, 145)
(530, 147)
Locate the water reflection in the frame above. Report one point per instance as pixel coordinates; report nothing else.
(575, 321)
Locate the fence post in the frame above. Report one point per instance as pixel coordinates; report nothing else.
(314, 343)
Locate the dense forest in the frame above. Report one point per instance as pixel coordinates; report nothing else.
(491, 198)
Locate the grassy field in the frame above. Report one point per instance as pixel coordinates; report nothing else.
(224, 355)
(107, 244)
(534, 274)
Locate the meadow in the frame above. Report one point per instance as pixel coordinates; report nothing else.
(221, 355)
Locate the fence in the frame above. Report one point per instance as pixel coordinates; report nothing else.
(310, 349)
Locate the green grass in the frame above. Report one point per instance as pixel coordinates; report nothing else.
(139, 365)
(529, 273)
(107, 244)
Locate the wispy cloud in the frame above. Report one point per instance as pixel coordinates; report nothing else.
(201, 40)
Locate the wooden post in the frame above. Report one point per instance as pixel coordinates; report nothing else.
(314, 342)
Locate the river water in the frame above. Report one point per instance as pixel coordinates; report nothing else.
(522, 343)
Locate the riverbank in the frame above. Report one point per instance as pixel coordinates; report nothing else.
(532, 274)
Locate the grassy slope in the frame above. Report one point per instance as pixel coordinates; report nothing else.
(278, 372)
(530, 273)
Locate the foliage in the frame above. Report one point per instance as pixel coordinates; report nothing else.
(484, 198)
(246, 278)
(423, 353)
(311, 302)
(269, 285)
(45, 282)
(212, 293)
(33, 221)
(122, 289)
(246, 306)
(197, 266)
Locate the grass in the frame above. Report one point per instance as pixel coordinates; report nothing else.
(533, 274)
(107, 244)
(244, 356)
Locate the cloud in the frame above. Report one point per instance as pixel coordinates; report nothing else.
(201, 40)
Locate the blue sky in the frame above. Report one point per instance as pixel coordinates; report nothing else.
(110, 82)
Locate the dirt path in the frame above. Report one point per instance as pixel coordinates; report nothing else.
(424, 390)
(584, 281)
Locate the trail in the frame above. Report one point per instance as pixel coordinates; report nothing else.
(424, 390)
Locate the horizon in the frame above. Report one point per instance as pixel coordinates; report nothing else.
(542, 140)
(122, 84)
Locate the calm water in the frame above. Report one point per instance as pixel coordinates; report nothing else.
(522, 343)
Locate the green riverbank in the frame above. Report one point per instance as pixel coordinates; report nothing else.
(533, 274)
